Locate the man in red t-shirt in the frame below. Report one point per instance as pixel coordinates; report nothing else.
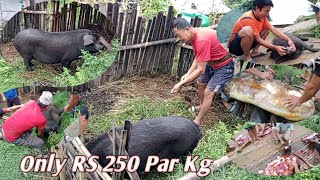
(251, 30)
(16, 128)
(213, 65)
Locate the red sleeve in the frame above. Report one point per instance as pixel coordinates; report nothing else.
(250, 22)
(43, 122)
(203, 51)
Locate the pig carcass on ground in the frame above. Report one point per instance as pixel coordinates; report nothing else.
(267, 95)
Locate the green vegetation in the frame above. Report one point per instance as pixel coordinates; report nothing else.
(245, 4)
(90, 68)
(316, 32)
(150, 8)
(14, 74)
(135, 110)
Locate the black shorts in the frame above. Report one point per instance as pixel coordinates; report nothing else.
(235, 46)
(14, 101)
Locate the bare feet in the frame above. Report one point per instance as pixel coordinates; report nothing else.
(197, 122)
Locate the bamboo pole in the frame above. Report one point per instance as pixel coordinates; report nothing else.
(147, 44)
(82, 149)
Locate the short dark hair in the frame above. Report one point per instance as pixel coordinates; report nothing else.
(180, 23)
(262, 3)
(84, 111)
(288, 150)
(42, 106)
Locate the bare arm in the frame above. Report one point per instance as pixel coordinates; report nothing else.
(311, 89)
(19, 91)
(14, 107)
(3, 98)
(191, 69)
(40, 132)
(200, 68)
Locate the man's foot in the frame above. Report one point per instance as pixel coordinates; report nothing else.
(257, 54)
(197, 122)
(194, 109)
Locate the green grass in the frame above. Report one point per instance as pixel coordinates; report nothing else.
(10, 75)
(10, 157)
(134, 110)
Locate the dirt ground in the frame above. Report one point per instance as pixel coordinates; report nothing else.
(158, 88)
(9, 52)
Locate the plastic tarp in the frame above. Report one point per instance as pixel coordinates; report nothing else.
(202, 6)
(288, 11)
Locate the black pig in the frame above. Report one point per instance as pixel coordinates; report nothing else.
(54, 47)
(166, 137)
(52, 115)
(298, 42)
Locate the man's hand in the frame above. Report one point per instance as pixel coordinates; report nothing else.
(4, 99)
(281, 50)
(292, 102)
(176, 88)
(292, 46)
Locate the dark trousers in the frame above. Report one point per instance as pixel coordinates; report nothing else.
(12, 102)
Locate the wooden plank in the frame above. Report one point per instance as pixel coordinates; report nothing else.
(155, 32)
(167, 60)
(127, 65)
(81, 15)
(158, 49)
(52, 21)
(123, 42)
(82, 149)
(143, 62)
(135, 52)
(115, 16)
(43, 21)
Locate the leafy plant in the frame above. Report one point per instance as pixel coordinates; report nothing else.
(91, 67)
(316, 32)
(150, 8)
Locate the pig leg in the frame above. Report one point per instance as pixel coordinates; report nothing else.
(27, 62)
(66, 64)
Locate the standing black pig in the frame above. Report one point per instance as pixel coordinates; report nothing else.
(166, 137)
(52, 115)
(54, 47)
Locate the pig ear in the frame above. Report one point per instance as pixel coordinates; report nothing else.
(87, 40)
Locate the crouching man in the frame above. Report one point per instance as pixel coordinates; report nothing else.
(16, 129)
